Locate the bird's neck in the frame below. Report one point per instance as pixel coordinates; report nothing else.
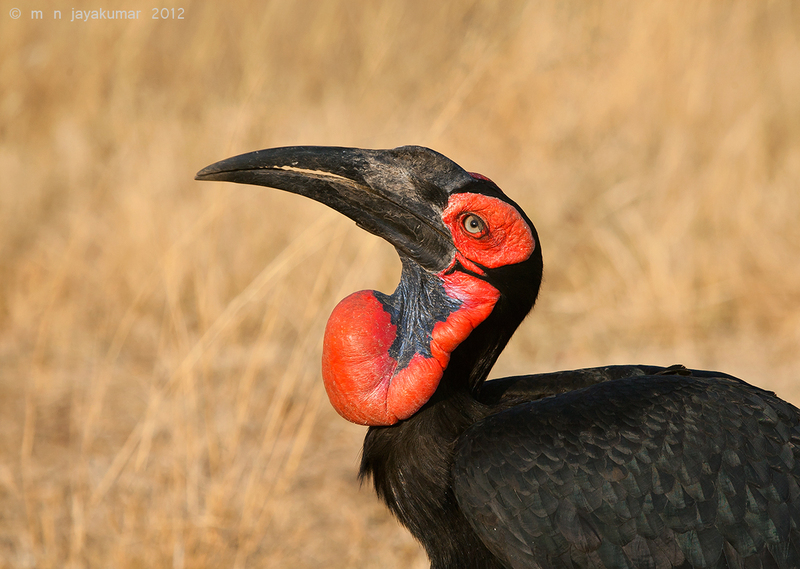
(410, 462)
(410, 466)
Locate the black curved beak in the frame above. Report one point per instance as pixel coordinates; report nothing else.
(395, 194)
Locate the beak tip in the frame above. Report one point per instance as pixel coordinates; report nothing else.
(208, 173)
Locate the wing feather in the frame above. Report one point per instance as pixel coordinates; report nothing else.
(660, 471)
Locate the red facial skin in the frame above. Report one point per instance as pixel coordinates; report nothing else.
(360, 376)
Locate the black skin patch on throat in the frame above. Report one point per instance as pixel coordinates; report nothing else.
(418, 303)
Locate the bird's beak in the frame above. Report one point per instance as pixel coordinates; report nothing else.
(374, 188)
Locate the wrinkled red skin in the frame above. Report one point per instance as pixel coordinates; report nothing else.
(361, 378)
(507, 240)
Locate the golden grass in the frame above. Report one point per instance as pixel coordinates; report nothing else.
(160, 404)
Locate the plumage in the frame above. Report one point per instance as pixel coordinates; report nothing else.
(612, 467)
(705, 463)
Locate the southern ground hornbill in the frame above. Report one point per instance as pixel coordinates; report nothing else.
(621, 466)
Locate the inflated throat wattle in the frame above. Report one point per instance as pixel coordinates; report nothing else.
(383, 356)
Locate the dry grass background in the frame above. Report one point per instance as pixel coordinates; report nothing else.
(160, 404)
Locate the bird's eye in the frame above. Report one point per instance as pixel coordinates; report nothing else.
(473, 224)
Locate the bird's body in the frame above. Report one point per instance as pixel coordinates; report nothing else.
(624, 466)
(616, 467)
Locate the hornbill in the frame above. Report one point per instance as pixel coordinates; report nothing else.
(622, 466)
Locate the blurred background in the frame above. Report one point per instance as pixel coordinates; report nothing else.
(160, 399)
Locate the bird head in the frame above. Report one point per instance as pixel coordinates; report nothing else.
(472, 266)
